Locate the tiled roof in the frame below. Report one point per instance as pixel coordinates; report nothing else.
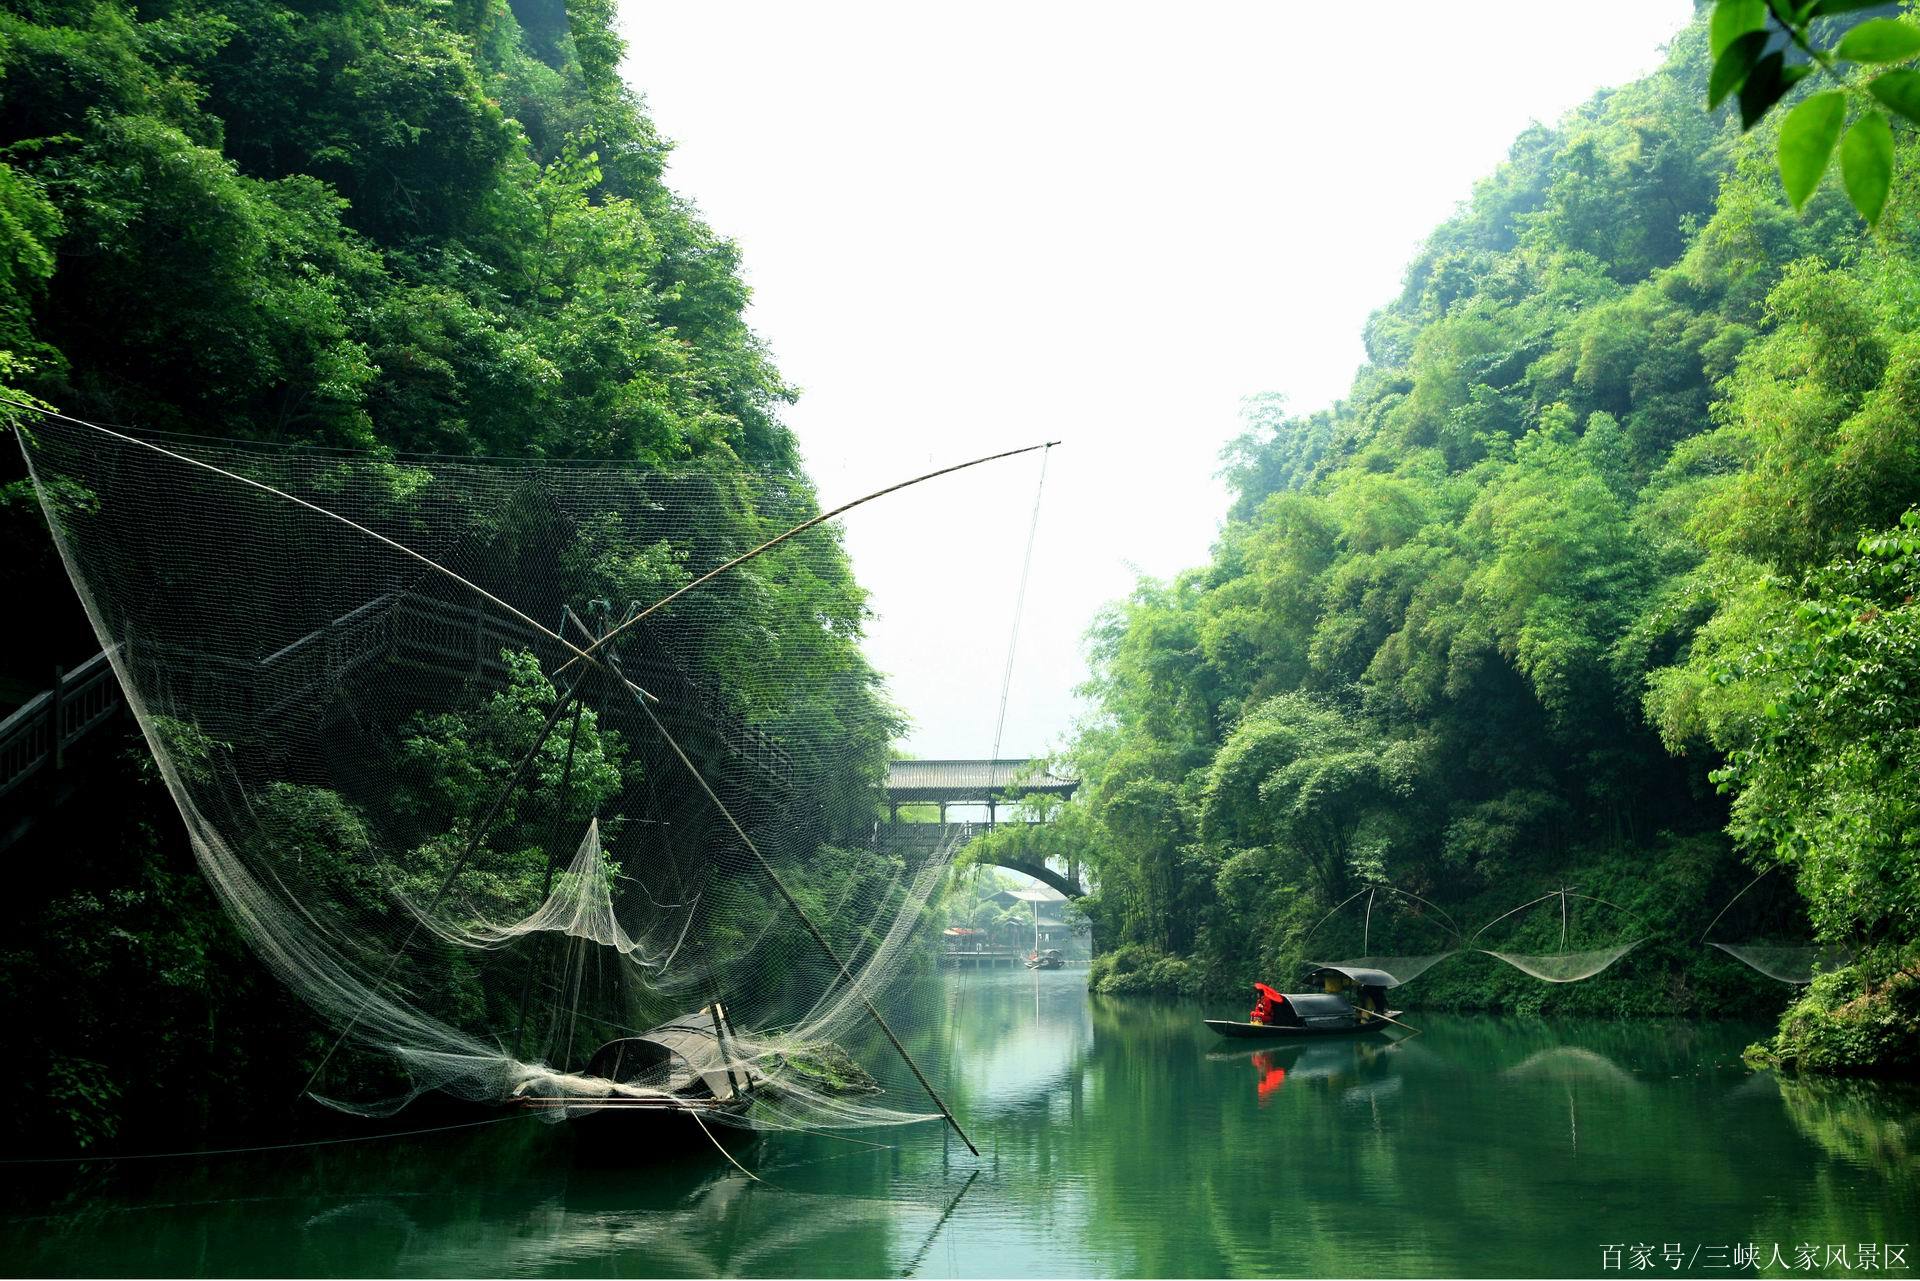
(974, 776)
(1038, 894)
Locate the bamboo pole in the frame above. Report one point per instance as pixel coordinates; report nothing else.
(1382, 1014)
(801, 528)
(819, 938)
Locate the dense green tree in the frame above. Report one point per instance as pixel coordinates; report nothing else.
(1303, 777)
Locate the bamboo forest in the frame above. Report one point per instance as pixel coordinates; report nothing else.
(802, 640)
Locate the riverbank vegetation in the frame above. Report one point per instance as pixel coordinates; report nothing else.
(1603, 575)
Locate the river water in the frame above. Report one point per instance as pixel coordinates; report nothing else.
(1118, 1137)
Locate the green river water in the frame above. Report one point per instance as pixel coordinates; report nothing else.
(1118, 1138)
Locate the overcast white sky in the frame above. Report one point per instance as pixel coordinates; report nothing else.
(972, 227)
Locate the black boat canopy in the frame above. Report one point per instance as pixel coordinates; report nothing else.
(1365, 978)
(1312, 1006)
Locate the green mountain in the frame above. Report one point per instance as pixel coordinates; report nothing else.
(1598, 578)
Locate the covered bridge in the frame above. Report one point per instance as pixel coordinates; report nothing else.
(976, 784)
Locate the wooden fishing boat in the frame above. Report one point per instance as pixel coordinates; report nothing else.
(1285, 1032)
(1047, 960)
(1352, 1001)
(676, 1088)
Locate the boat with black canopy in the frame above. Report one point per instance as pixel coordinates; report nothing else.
(1351, 1001)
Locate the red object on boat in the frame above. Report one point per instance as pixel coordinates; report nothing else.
(1269, 1002)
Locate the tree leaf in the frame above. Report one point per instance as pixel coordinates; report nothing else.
(1880, 40)
(1733, 19)
(1731, 68)
(1765, 85)
(1899, 91)
(1806, 143)
(1828, 8)
(1866, 164)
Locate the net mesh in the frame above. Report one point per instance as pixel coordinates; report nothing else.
(470, 855)
(1789, 963)
(1774, 923)
(1423, 933)
(1403, 969)
(1565, 967)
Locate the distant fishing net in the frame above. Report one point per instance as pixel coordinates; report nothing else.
(473, 851)
(1388, 913)
(1566, 963)
(1564, 967)
(1403, 969)
(1769, 916)
(1795, 963)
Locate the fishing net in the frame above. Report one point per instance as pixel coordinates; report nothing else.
(1377, 913)
(1790, 963)
(1403, 969)
(1565, 967)
(1568, 962)
(473, 851)
(1773, 914)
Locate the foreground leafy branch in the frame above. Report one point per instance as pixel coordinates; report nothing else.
(1747, 63)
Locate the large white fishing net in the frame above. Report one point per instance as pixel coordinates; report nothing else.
(1376, 914)
(480, 856)
(1565, 967)
(1568, 962)
(1763, 919)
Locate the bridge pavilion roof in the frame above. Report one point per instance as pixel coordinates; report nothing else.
(974, 781)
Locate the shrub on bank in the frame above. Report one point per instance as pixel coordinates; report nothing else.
(1862, 1019)
(1139, 970)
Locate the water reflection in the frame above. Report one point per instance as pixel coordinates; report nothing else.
(1015, 1037)
(1570, 1063)
(1848, 1122)
(1351, 1071)
(1272, 1076)
(1119, 1137)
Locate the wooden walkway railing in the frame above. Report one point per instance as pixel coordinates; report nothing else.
(237, 697)
(40, 731)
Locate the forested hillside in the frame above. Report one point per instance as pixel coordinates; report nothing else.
(396, 227)
(1602, 576)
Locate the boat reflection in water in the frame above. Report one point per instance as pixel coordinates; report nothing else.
(1351, 1071)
